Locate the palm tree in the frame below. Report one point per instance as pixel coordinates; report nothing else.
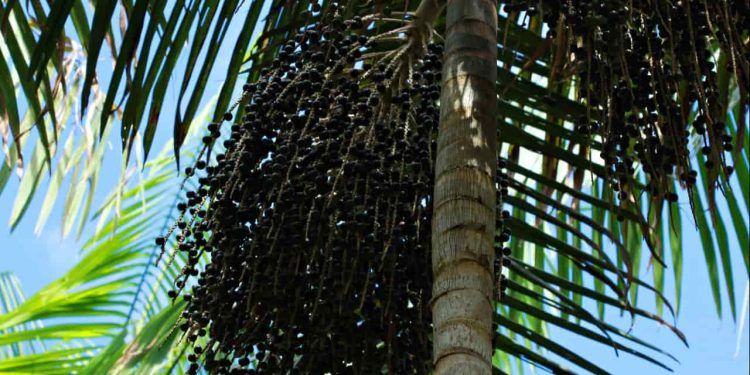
(463, 228)
(560, 211)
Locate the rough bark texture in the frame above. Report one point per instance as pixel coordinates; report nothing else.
(464, 206)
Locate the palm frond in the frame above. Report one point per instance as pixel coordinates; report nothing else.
(572, 244)
(92, 300)
(114, 291)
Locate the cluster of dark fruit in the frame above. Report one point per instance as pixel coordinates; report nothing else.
(315, 220)
(502, 237)
(645, 64)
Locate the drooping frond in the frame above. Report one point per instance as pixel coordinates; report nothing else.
(80, 321)
(574, 240)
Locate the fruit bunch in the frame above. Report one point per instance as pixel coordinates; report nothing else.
(643, 67)
(314, 221)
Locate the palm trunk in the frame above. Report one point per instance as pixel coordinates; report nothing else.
(464, 201)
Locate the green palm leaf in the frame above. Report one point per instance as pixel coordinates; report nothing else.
(562, 213)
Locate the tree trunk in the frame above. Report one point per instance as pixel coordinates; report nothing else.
(463, 225)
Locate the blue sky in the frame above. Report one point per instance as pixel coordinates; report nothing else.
(713, 340)
(38, 260)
